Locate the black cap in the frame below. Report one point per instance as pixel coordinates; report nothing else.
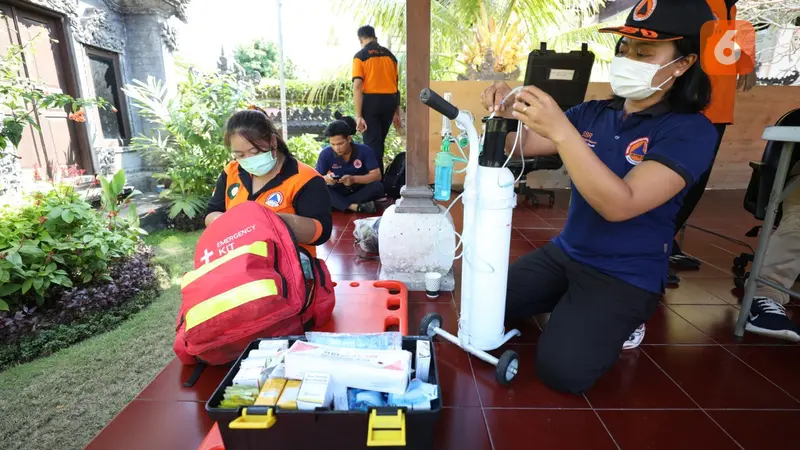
(664, 20)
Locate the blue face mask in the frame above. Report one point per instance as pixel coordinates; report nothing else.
(258, 165)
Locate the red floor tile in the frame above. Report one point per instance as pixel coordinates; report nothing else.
(351, 265)
(667, 327)
(705, 271)
(781, 365)
(557, 223)
(516, 429)
(525, 390)
(455, 375)
(168, 384)
(722, 288)
(529, 329)
(716, 379)
(461, 429)
(539, 234)
(521, 247)
(665, 430)
(636, 382)
(548, 212)
(417, 310)
(346, 246)
(718, 321)
(141, 425)
(757, 430)
(422, 297)
(690, 293)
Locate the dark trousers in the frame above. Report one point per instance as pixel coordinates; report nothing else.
(695, 193)
(342, 196)
(378, 111)
(591, 315)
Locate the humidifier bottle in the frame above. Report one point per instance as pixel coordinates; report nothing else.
(443, 173)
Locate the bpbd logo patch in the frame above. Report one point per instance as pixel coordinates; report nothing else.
(636, 150)
(233, 190)
(274, 200)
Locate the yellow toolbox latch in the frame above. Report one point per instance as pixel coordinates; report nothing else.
(386, 428)
(254, 418)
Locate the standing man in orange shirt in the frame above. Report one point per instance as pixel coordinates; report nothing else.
(375, 92)
(720, 112)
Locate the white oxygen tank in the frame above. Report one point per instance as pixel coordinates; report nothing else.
(486, 264)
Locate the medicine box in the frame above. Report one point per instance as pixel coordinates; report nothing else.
(315, 392)
(277, 428)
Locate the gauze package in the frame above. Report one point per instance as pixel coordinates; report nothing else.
(392, 340)
(418, 396)
(371, 370)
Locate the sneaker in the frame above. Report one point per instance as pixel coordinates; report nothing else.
(367, 207)
(672, 278)
(684, 262)
(768, 318)
(635, 338)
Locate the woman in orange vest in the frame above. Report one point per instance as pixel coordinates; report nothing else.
(265, 172)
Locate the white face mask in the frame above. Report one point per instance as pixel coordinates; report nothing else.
(634, 79)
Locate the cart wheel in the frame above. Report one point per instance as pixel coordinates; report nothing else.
(738, 282)
(507, 367)
(552, 199)
(534, 200)
(738, 271)
(429, 322)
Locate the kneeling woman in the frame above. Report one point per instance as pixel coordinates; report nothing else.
(265, 172)
(631, 160)
(350, 169)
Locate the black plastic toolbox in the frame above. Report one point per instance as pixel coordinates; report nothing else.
(275, 429)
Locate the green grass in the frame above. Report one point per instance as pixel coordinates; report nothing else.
(62, 401)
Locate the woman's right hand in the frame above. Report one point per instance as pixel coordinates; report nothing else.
(492, 98)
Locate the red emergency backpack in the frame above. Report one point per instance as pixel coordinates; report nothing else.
(248, 283)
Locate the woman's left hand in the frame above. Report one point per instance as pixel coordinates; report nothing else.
(540, 113)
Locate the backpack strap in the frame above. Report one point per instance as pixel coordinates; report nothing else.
(198, 370)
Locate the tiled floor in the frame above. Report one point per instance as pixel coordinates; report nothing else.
(691, 385)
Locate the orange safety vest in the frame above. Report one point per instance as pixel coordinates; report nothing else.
(723, 87)
(279, 199)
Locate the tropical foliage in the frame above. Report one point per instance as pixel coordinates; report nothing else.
(262, 58)
(490, 37)
(188, 143)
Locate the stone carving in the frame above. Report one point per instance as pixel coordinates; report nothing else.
(170, 36)
(106, 160)
(10, 172)
(94, 28)
(164, 8)
(68, 7)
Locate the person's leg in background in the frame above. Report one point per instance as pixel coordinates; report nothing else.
(366, 195)
(338, 198)
(357, 200)
(587, 328)
(378, 110)
(782, 267)
(693, 197)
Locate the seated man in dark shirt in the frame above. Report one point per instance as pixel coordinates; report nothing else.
(350, 169)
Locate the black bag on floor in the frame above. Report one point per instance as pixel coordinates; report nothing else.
(395, 176)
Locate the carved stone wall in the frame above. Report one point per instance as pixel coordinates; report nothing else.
(94, 27)
(10, 173)
(68, 7)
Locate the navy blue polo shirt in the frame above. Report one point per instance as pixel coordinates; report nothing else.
(362, 161)
(636, 250)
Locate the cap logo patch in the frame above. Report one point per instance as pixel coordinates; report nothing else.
(644, 10)
(636, 150)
